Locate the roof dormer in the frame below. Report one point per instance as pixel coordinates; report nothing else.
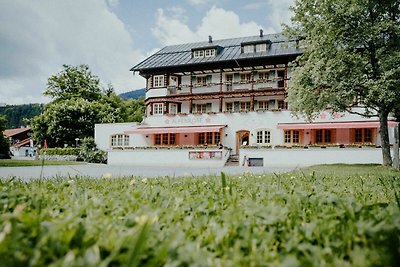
(206, 51)
(255, 46)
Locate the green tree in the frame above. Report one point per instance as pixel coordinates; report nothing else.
(74, 82)
(351, 51)
(135, 109)
(4, 144)
(78, 104)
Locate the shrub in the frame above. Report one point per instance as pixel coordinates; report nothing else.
(61, 151)
(90, 153)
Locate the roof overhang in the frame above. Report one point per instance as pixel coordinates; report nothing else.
(177, 129)
(333, 125)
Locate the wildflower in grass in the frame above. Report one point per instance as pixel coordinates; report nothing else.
(106, 175)
(6, 230)
(18, 210)
(144, 180)
(132, 182)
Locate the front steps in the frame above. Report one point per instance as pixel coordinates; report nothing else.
(233, 160)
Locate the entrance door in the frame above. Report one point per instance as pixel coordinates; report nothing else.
(242, 139)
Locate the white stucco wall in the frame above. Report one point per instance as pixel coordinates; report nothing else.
(102, 132)
(165, 157)
(312, 156)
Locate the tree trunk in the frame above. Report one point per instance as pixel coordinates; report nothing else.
(396, 147)
(384, 133)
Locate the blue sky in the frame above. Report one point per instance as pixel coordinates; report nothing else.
(38, 37)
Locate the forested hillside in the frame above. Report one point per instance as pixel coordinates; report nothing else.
(19, 115)
(136, 94)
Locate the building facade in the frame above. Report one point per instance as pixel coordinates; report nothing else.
(21, 143)
(210, 101)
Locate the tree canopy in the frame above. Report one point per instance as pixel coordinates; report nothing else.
(351, 53)
(78, 104)
(19, 115)
(4, 144)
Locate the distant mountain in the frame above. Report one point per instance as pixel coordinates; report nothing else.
(135, 94)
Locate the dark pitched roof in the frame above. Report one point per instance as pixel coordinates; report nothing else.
(181, 55)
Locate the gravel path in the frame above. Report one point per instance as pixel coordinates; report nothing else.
(102, 170)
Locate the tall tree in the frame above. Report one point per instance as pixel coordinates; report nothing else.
(78, 104)
(351, 51)
(4, 144)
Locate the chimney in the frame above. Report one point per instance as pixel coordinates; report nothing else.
(261, 33)
(210, 39)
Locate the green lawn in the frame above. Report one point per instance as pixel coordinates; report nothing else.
(24, 163)
(318, 216)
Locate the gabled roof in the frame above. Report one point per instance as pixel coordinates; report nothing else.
(181, 55)
(12, 132)
(23, 142)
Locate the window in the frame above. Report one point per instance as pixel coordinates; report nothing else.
(261, 47)
(173, 108)
(209, 53)
(119, 140)
(245, 77)
(202, 108)
(204, 53)
(157, 139)
(229, 106)
(201, 80)
(229, 78)
(254, 47)
(201, 138)
(158, 108)
(263, 75)
(263, 105)
(244, 106)
(263, 137)
(323, 136)
(282, 104)
(210, 138)
(165, 139)
(292, 137)
(158, 81)
(363, 135)
(248, 49)
(126, 140)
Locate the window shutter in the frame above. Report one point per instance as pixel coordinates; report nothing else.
(256, 104)
(194, 79)
(151, 82)
(209, 78)
(236, 76)
(194, 108)
(179, 107)
(208, 107)
(236, 106)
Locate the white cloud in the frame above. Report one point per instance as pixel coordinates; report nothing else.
(196, 2)
(255, 5)
(279, 13)
(217, 22)
(37, 38)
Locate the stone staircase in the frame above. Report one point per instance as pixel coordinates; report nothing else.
(233, 160)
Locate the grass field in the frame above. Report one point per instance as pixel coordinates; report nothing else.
(24, 163)
(321, 216)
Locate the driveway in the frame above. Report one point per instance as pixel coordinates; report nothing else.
(103, 170)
